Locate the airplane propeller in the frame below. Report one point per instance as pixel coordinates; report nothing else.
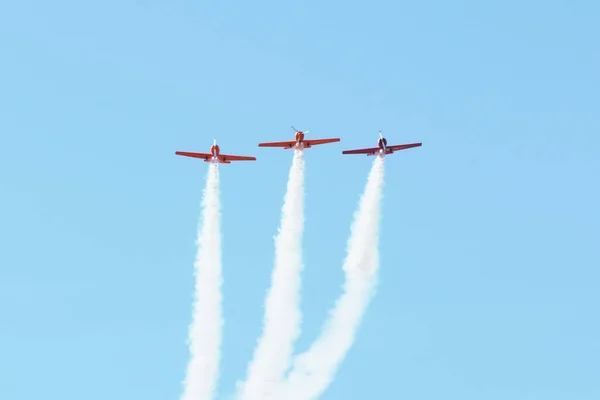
(296, 130)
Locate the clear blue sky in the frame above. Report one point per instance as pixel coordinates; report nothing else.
(490, 235)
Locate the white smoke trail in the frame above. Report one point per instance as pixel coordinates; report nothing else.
(314, 370)
(207, 322)
(282, 318)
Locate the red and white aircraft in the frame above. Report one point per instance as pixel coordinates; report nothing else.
(382, 148)
(215, 155)
(299, 143)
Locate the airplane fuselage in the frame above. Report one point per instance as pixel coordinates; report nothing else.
(299, 141)
(214, 152)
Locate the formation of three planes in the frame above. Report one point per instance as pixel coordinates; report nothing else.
(300, 142)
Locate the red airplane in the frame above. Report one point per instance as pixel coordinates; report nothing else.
(215, 155)
(299, 143)
(382, 148)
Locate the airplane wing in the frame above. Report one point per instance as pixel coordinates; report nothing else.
(362, 151)
(403, 146)
(228, 157)
(315, 142)
(191, 154)
(291, 143)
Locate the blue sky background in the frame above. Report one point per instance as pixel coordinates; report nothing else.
(490, 233)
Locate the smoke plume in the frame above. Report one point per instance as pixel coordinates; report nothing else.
(207, 321)
(281, 325)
